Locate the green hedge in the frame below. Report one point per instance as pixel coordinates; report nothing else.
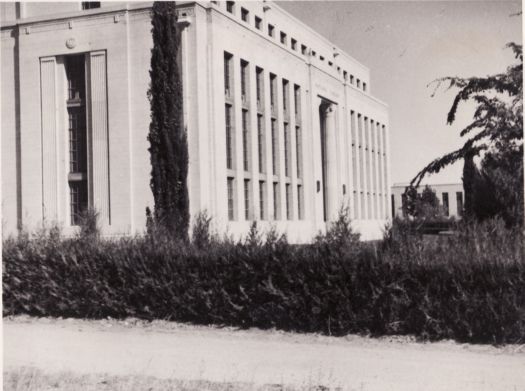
(469, 287)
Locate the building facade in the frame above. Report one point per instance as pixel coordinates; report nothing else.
(450, 195)
(282, 127)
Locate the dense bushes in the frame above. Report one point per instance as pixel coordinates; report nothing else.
(470, 287)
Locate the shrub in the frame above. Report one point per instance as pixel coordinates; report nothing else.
(469, 287)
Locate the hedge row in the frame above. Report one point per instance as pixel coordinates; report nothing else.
(470, 287)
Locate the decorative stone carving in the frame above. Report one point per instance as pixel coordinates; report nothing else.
(71, 43)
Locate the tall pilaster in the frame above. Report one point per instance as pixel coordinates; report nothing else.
(99, 135)
(49, 138)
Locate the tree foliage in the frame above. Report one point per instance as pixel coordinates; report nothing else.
(167, 135)
(495, 134)
(424, 206)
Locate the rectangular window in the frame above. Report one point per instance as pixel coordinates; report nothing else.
(297, 102)
(285, 96)
(303, 50)
(393, 205)
(358, 83)
(245, 140)
(352, 79)
(247, 214)
(271, 30)
(275, 148)
(229, 137)
(287, 150)
(273, 92)
(364, 86)
(228, 91)
(288, 188)
(283, 38)
(244, 81)
(230, 6)
(229, 183)
(259, 81)
(78, 196)
(345, 75)
(276, 201)
(88, 5)
(244, 14)
(459, 201)
(294, 44)
(261, 143)
(258, 23)
(300, 201)
(299, 151)
(77, 134)
(262, 200)
(445, 203)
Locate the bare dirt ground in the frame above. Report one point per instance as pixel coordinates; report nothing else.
(167, 350)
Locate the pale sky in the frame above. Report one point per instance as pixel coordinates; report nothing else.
(406, 45)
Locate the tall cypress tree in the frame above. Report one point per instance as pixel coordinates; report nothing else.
(167, 135)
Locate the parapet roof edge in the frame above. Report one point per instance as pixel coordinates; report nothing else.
(317, 34)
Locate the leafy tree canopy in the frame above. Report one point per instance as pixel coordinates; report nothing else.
(495, 133)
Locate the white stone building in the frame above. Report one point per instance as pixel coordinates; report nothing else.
(450, 196)
(282, 126)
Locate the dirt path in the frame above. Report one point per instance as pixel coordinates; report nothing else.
(168, 350)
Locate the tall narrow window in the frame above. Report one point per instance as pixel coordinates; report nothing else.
(245, 141)
(459, 202)
(287, 150)
(262, 200)
(259, 87)
(445, 203)
(276, 201)
(393, 205)
(260, 143)
(288, 195)
(297, 102)
(230, 198)
(273, 92)
(299, 151)
(230, 6)
(247, 214)
(300, 208)
(229, 137)
(275, 148)
(76, 111)
(285, 96)
(244, 81)
(228, 91)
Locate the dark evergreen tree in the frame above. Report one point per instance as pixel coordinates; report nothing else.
(167, 135)
(496, 134)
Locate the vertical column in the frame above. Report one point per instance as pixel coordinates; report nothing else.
(381, 181)
(49, 138)
(99, 135)
(331, 164)
(386, 169)
(362, 190)
(377, 188)
(355, 166)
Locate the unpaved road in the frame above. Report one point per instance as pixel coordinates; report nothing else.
(170, 350)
